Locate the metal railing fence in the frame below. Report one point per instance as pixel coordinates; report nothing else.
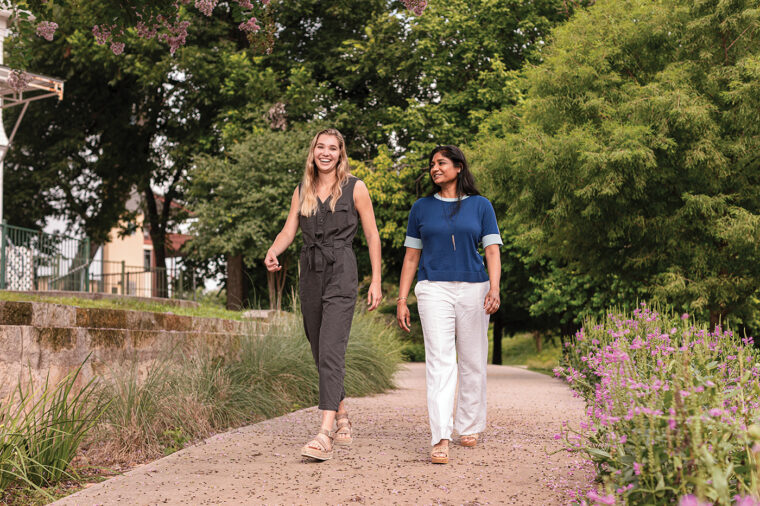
(31, 260)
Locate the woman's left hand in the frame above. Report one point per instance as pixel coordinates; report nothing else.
(492, 302)
(374, 295)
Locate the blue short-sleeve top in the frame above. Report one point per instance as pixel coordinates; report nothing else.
(449, 237)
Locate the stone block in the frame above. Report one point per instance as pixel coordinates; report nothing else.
(107, 338)
(11, 343)
(15, 313)
(106, 318)
(259, 314)
(142, 320)
(175, 322)
(53, 315)
(82, 318)
(55, 339)
(10, 375)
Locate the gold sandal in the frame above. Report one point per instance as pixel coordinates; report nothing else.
(439, 455)
(342, 436)
(468, 440)
(321, 447)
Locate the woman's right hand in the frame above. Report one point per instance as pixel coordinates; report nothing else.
(271, 262)
(403, 316)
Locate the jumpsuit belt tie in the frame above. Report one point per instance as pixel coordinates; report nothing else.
(320, 254)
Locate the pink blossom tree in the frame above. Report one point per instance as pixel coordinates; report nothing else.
(160, 19)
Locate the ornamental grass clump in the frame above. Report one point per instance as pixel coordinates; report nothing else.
(41, 430)
(189, 394)
(672, 409)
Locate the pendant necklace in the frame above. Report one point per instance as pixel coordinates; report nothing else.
(450, 220)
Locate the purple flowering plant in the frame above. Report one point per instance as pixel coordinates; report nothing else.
(671, 409)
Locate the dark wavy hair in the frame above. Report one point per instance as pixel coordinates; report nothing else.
(465, 179)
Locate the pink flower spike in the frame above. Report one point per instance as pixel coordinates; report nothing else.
(685, 316)
(117, 48)
(600, 499)
(692, 500)
(636, 468)
(745, 501)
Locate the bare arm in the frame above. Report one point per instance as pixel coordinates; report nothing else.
(408, 269)
(493, 264)
(363, 205)
(285, 237)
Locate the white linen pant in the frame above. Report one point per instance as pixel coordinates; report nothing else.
(455, 327)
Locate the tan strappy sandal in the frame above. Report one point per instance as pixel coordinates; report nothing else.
(468, 440)
(439, 455)
(342, 436)
(321, 447)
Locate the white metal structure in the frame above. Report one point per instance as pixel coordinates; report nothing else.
(35, 87)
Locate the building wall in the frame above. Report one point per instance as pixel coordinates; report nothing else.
(131, 250)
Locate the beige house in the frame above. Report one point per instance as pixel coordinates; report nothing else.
(127, 263)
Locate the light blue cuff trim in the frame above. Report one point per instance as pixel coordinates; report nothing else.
(413, 242)
(449, 199)
(490, 239)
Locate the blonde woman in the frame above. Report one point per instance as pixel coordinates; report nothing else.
(327, 205)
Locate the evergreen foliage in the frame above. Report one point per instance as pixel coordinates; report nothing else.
(632, 158)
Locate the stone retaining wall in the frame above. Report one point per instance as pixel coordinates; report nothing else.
(38, 339)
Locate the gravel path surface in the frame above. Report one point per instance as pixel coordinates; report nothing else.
(388, 462)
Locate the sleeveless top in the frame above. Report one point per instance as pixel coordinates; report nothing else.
(328, 236)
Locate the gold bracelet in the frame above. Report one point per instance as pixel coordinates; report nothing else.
(399, 299)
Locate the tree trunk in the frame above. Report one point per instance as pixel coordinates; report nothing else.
(235, 289)
(276, 283)
(717, 317)
(160, 279)
(159, 222)
(498, 333)
(537, 338)
(157, 231)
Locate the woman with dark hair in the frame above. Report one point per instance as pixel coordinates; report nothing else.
(455, 296)
(327, 206)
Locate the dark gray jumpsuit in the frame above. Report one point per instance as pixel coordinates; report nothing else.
(328, 289)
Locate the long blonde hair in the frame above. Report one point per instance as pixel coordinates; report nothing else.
(308, 193)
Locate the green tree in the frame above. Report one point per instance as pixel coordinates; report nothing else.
(413, 83)
(241, 200)
(633, 154)
(130, 121)
(388, 183)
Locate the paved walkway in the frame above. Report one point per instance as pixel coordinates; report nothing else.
(388, 463)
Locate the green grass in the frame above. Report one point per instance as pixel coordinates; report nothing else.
(204, 311)
(521, 350)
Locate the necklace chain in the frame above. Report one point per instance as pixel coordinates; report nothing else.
(451, 222)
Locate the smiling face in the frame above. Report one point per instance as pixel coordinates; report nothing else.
(443, 171)
(326, 153)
